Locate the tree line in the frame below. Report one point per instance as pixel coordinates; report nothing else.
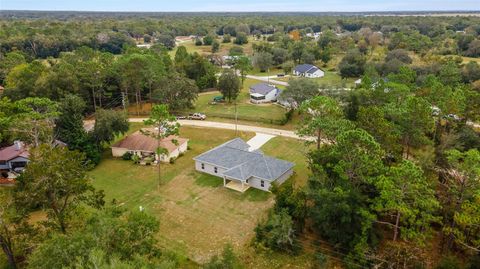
(394, 172)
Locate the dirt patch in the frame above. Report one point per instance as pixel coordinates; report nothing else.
(200, 220)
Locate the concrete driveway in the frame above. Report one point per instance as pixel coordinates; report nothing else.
(258, 141)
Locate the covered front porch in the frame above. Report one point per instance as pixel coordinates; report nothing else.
(236, 185)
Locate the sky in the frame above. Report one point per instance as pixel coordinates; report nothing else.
(242, 5)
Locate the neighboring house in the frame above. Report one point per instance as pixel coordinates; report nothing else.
(14, 157)
(145, 146)
(264, 93)
(308, 71)
(241, 168)
(314, 35)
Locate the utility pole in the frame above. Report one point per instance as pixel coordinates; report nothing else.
(124, 103)
(268, 76)
(236, 118)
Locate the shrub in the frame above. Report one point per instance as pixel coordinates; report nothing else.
(449, 262)
(277, 232)
(228, 260)
(172, 160)
(127, 156)
(241, 39)
(4, 174)
(148, 161)
(288, 116)
(135, 158)
(181, 154)
(227, 38)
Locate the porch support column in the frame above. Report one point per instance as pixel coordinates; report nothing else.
(224, 181)
(242, 186)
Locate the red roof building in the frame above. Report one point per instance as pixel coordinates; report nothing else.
(14, 156)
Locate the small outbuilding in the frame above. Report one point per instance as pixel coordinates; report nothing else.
(146, 146)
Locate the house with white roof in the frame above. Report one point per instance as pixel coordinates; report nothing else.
(308, 71)
(241, 168)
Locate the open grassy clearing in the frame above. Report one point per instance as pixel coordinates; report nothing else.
(224, 47)
(197, 215)
(266, 113)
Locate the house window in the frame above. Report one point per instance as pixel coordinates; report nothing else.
(215, 170)
(3, 162)
(262, 183)
(203, 166)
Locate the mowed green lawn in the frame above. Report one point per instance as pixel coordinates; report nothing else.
(197, 215)
(266, 113)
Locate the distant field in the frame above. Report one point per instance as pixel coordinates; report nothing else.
(224, 47)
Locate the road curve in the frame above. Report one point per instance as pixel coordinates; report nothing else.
(231, 126)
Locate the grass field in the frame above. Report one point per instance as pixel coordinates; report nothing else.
(197, 215)
(265, 113)
(224, 47)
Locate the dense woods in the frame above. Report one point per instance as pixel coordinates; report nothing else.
(393, 164)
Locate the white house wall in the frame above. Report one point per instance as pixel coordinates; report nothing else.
(209, 169)
(284, 177)
(257, 184)
(271, 96)
(118, 152)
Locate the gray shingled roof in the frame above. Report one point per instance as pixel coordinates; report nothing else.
(262, 88)
(306, 68)
(243, 164)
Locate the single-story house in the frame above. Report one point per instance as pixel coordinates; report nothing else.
(145, 146)
(241, 168)
(264, 93)
(14, 157)
(308, 71)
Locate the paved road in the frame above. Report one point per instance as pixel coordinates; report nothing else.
(268, 79)
(231, 126)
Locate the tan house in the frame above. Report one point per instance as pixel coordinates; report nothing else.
(145, 146)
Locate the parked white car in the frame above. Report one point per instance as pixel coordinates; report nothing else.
(197, 116)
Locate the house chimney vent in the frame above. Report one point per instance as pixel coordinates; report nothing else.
(18, 144)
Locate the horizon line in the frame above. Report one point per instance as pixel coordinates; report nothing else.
(246, 11)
